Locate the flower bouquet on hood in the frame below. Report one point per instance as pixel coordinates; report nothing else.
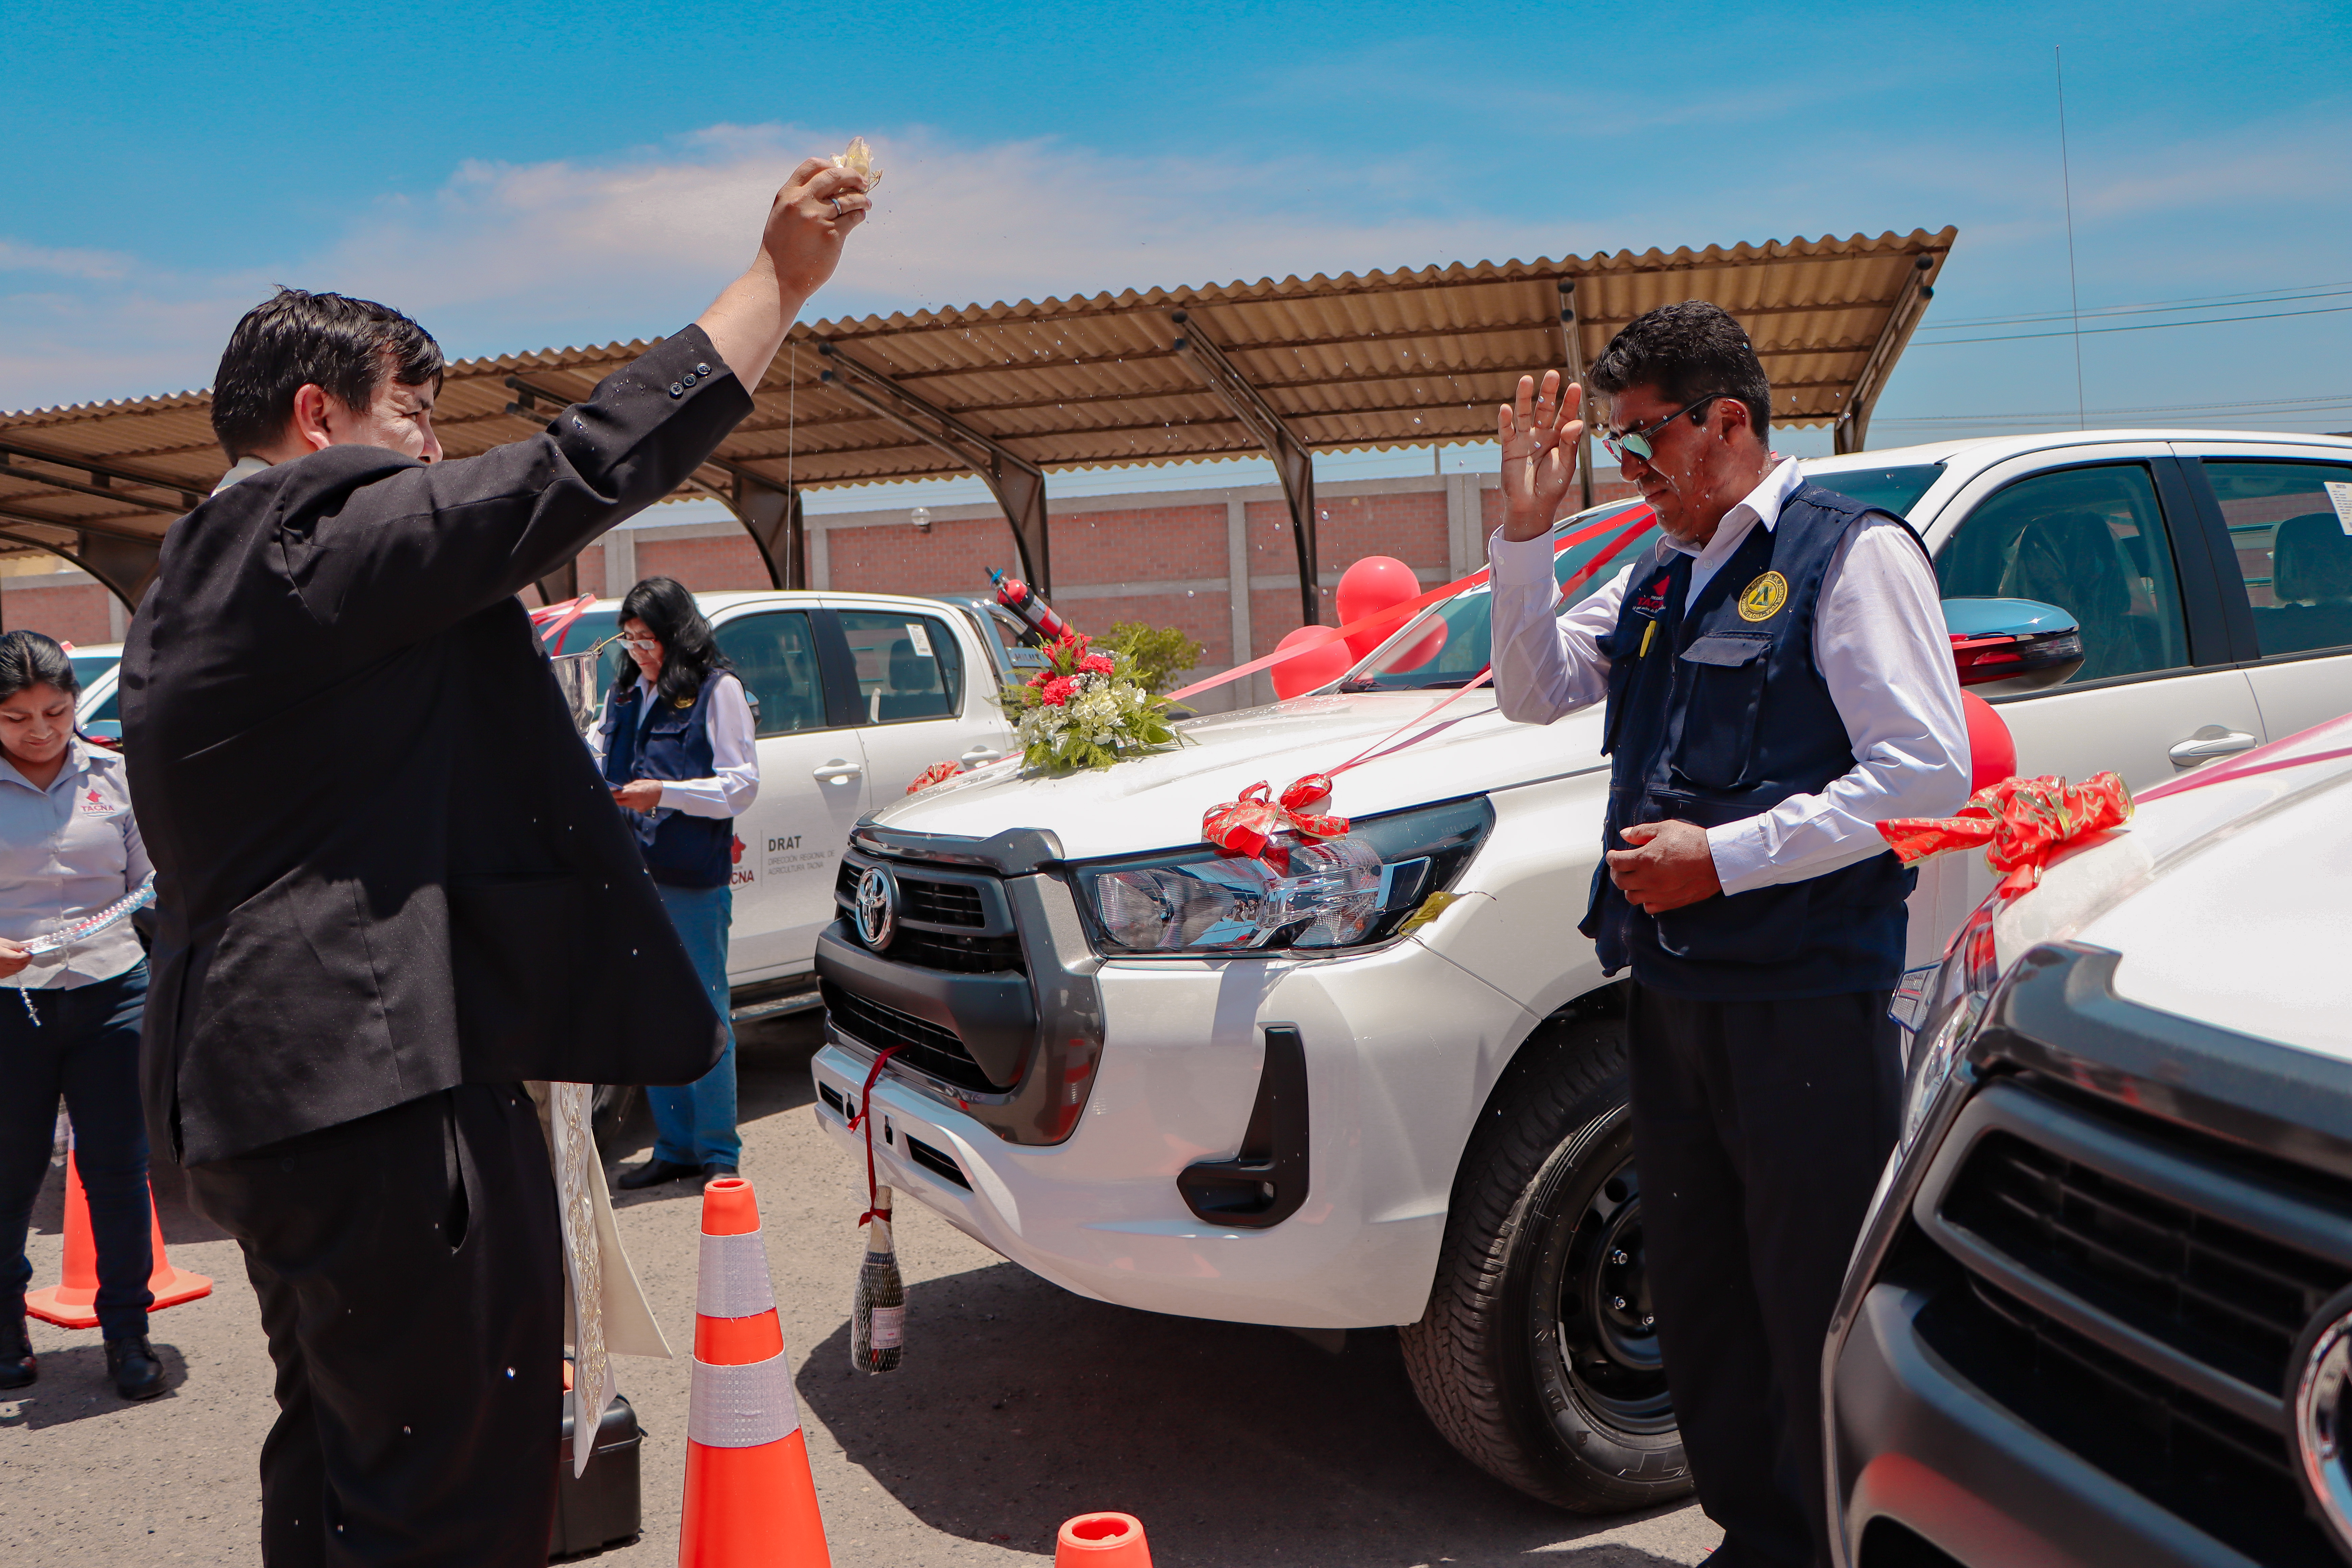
(1085, 709)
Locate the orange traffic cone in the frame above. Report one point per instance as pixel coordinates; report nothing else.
(69, 1305)
(1102, 1541)
(750, 1501)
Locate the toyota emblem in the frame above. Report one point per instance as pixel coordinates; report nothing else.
(877, 907)
(2322, 1370)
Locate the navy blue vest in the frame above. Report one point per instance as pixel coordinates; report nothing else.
(682, 850)
(1717, 712)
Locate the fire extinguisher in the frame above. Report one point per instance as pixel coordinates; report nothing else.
(1025, 601)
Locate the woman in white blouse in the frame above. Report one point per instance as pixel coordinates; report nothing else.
(68, 849)
(676, 743)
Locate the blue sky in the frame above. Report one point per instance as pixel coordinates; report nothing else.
(519, 177)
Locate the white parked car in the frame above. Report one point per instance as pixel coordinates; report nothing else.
(1285, 1108)
(2102, 1311)
(855, 695)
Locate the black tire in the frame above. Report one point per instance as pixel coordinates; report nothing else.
(1536, 1357)
(609, 1109)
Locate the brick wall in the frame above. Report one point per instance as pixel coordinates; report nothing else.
(73, 610)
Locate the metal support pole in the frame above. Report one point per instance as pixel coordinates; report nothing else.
(125, 565)
(1572, 357)
(562, 584)
(772, 515)
(1018, 484)
(1852, 427)
(1292, 460)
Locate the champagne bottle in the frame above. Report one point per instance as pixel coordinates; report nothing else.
(877, 1324)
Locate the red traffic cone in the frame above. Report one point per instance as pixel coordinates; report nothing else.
(750, 1501)
(1101, 1541)
(69, 1305)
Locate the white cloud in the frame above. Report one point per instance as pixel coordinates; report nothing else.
(87, 264)
(954, 223)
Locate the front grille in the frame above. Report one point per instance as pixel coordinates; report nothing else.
(942, 903)
(2213, 1290)
(960, 954)
(2204, 1465)
(926, 1046)
(925, 901)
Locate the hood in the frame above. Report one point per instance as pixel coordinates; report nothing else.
(1156, 802)
(2224, 895)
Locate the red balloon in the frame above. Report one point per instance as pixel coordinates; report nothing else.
(1295, 677)
(1992, 751)
(1372, 585)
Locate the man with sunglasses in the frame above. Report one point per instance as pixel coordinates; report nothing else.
(1779, 681)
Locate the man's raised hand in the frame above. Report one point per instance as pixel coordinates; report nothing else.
(799, 248)
(806, 222)
(1539, 437)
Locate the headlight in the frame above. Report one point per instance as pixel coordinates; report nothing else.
(1300, 895)
(1956, 1002)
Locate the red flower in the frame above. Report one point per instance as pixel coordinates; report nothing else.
(1060, 689)
(1096, 664)
(1074, 646)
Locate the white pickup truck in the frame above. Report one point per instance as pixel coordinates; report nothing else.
(1117, 1071)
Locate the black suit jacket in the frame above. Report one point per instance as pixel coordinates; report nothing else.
(385, 864)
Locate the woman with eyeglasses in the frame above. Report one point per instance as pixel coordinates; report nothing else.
(68, 849)
(676, 743)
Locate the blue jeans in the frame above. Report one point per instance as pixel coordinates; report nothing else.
(695, 1125)
(86, 1047)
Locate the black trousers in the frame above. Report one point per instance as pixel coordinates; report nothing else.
(1759, 1130)
(81, 1042)
(410, 1270)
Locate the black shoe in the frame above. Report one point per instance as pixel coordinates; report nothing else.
(132, 1361)
(17, 1368)
(715, 1171)
(652, 1174)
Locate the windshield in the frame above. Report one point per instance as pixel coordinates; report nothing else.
(89, 666)
(1890, 489)
(1450, 643)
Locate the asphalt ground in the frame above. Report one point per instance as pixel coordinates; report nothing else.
(1019, 1405)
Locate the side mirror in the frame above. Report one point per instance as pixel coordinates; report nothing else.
(2005, 646)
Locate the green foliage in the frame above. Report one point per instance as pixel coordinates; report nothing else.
(1085, 709)
(1156, 654)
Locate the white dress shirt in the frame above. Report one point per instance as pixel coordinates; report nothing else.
(733, 752)
(1878, 640)
(66, 853)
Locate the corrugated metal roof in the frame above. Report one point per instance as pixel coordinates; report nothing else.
(1388, 359)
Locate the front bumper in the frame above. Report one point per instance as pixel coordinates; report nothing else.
(2064, 1336)
(1399, 1043)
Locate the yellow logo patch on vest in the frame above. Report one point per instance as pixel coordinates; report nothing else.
(1762, 599)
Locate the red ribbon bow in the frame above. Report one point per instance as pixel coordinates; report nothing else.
(2019, 823)
(1243, 826)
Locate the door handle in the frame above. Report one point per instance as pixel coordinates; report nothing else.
(838, 771)
(2212, 740)
(981, 754)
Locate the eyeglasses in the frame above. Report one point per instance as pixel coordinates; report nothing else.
(639, 645)
(1637, 441)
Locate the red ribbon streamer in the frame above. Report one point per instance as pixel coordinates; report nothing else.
(2019, 823)
(1243, 826)
(1640, 518)
(938, 772)
(554, 620)
(865, 1116)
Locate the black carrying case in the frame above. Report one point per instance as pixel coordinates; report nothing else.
(599, 1506)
